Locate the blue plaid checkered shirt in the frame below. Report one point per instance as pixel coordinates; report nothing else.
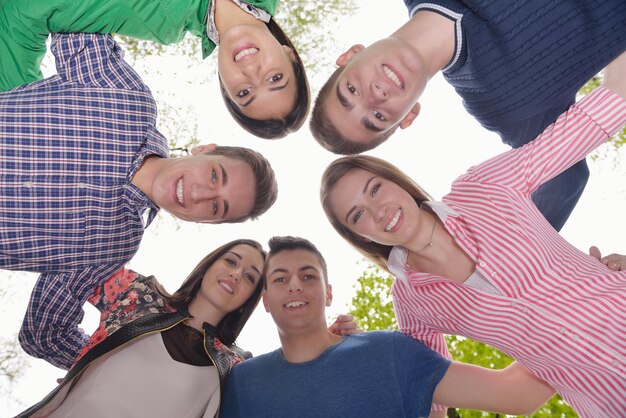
(69, 146)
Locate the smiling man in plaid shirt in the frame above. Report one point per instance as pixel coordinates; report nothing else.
(83, 171)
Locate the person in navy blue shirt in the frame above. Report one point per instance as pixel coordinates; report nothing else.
(517, 65)
(372, 374)
(83, 171)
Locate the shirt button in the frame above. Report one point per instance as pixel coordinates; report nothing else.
(524, 309)
(81, 185)
(482, 264)
(615, 363)
(28, 184)
(562, 330)
(575, 337)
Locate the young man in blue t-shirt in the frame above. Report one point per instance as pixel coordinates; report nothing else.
(373, 374)
(517, 65)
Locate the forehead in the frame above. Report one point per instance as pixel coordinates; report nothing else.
(293, 261)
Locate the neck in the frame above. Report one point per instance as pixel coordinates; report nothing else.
(431, 36)
(148, 170)
(301, 346)
(202, 313)
(229, 15)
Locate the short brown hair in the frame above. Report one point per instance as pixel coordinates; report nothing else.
(279, 244)
(326, 133)
(276, 128)
(378, 253)
(231, 325)
(266, 188)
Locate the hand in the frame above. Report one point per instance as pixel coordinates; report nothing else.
(344, 325)
(615, 262)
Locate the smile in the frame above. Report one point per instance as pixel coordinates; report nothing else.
(245, 52)
(393, 77)
(179, 192)
(226, 287)
(295, 304)
(394, 221)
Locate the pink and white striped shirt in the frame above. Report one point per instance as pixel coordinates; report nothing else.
(559, 311)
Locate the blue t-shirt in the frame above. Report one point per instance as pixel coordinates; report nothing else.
(374, 374)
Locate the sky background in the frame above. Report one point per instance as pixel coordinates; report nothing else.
(442, 143)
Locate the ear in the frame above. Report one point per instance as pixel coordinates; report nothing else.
(289, 52)
(265, 304)
(347, 56)
(329, 294)
(410, 117)
(201, 149)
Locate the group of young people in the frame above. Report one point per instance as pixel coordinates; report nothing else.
(83, 171)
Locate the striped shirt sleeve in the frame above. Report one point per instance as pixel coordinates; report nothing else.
(582, 128)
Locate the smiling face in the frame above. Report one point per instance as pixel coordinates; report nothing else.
(377, 90)
(375, 208)
(229, 282)
(257, 72)
(296, 293)
(205, 188)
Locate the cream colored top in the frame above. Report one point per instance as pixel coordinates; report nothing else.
(141, 380)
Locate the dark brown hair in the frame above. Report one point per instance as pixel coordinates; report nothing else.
(326, 133)
(276, 128)
(231, 325)
(378, 253)
(278, 244)
(266, 188)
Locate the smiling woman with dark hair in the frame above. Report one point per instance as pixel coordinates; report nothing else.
(162, 355)
(262, 77)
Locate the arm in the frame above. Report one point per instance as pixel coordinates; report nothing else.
(513, 390)
(578, 131)
(50, 329)
(615, 262)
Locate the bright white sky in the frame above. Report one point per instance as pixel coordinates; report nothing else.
(441, 144)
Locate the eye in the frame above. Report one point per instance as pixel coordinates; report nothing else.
(251, 278)
(279, 279)
(375, 190)
(379, 116)
(275, 78)
(230, 261)
(243, 92)
(308, 277)
(357, 216)
(216, 207)
(213, 176)
(352, 89)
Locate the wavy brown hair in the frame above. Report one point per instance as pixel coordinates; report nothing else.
(378, 253)
(231, 325)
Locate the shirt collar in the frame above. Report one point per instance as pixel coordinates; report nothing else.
(211, 29)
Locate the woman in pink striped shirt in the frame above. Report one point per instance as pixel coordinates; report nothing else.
(484, 263)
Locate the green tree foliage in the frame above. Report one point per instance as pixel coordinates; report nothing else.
(372, 308)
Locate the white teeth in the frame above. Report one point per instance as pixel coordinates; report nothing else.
(245, 52)
(393, 221)
(179, 191)
(393, 76)
(295, 304)
(227, 287)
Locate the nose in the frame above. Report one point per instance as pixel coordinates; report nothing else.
(235, 275)
(295, 285)
(379, 212)
(201, 193)
(252, 72)
(379, 94)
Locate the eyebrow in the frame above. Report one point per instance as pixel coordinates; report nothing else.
(367, 124)
(283, 270)
(343, 100)
(241, 258)
(270, 89)
(224, 183)
(364, 191)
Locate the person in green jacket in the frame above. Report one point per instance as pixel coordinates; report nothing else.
(262, 77)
